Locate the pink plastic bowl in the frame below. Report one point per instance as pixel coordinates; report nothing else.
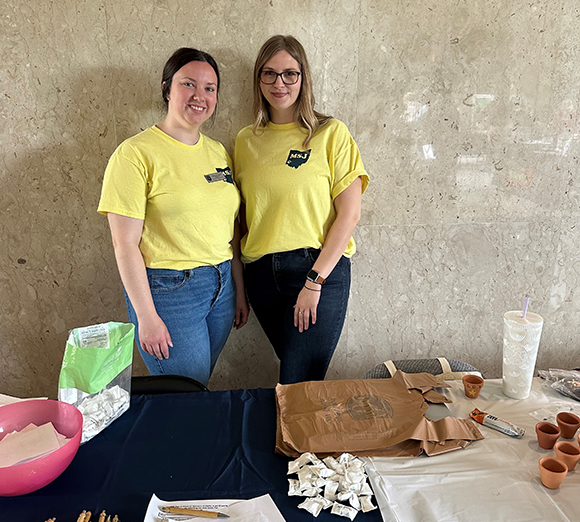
(35, 474)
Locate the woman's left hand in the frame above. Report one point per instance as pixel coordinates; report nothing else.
(305, 308)
(242, 311)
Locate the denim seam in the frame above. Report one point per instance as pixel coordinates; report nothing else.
(159, 366)
(344, 305)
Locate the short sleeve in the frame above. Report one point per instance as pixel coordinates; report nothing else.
(346, 163)
(125, 186)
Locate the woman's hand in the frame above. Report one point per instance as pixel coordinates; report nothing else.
(305, 307)
(242, 310)
(242, 307)
(154, 336)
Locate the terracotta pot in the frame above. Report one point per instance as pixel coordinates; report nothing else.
(473, 385)
(567, 452)
(552, 472)
(547, 434)
(569, 424)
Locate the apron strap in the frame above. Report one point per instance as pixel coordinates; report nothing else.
(391, 367)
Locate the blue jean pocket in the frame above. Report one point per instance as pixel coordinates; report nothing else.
(159, 282)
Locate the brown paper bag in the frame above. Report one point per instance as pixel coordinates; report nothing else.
(366, 417)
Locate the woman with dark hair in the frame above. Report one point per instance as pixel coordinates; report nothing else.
(301, 179)
(172, 204)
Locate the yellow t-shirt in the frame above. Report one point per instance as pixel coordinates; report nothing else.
(184, 193)
(288, 191)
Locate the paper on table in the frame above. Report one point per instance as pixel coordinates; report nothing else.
(499, 473)
(366, 417)
(28, 444)
(7, 399)
(259, 509)
(23, 430)
(62, 440)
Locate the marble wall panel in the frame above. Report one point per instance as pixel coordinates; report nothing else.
(56, 117)
(466, 111)
(233, 34)
(441, 290)
(466, 114)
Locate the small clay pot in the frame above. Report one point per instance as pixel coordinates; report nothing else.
(569, 424)
(547, 434)
(473, 385)
(567, 452)
(552, 472)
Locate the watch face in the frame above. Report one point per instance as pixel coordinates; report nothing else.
(315, 277)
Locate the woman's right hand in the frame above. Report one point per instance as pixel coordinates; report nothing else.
(154, 336)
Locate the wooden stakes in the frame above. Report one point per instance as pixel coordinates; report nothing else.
(85, 516)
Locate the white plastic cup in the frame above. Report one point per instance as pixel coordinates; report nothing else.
(521, 339)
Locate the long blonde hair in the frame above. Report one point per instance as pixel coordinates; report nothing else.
(305, 115)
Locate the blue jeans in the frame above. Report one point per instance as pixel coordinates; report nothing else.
(273, 283)
(198, 308)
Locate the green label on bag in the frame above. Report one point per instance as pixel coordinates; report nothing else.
(95, 355)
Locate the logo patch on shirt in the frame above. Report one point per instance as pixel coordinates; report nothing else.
(297, 158)
(220, 175)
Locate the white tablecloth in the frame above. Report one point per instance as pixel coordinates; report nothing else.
(495, 479)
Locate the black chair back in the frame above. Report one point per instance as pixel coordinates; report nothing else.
(157, 384)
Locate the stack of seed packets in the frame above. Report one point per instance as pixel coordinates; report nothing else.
(330, 481)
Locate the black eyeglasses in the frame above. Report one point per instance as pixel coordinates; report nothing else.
(288, 77)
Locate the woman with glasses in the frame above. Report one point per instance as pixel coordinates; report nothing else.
(172, 205)
(301, 179)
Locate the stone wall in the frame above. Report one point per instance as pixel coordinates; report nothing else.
(466, 114)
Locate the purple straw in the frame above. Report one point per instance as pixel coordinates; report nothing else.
(526, 307)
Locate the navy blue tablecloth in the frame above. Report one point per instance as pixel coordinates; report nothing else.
(186, 446)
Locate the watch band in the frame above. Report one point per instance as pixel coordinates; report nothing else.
(315, 277)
